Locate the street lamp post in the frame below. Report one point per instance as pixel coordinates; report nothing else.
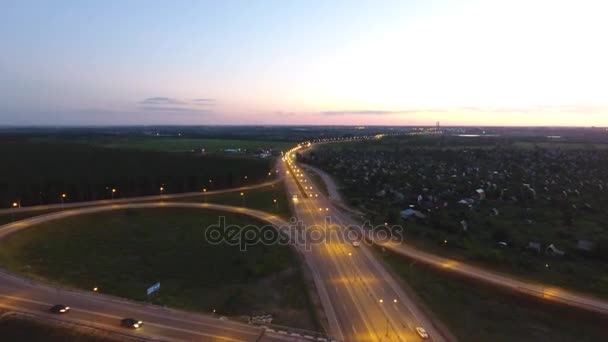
(62, 197)
(276, 204)
(205, 196)
(113, 192)
(242, 199)
(14, 206)
(160, 193)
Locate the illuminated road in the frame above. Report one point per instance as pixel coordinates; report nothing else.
(509, 282)
(104, 312)
(369, 304)
(153, 198)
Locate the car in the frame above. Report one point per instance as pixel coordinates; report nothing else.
(422, 333)
(356, 243)
(59, 309)
(131, 323)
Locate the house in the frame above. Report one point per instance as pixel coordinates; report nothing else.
(552, 250)
(465, 225)
(534, 246)
(585, 245)
(466, 201)
(407, 213)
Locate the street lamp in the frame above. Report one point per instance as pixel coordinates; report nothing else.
(205, 196)
(113, 192)
(14, 205)
(160, 194)
(242, 199)
(276, 204)
(62, 197)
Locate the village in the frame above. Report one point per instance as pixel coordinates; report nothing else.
(528, 209)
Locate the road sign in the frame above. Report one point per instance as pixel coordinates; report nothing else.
(153, 288)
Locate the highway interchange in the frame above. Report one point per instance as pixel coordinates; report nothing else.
(361, 299)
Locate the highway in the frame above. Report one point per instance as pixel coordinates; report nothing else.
(361, 298)
(104, 312)
(368, 303)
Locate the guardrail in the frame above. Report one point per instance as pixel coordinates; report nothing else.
(297, 333)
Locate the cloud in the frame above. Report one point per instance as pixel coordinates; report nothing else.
(174, 105)
(204, 102)
(173, 109)
(162, 101)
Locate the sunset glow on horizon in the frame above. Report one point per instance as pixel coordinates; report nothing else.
(538, 63)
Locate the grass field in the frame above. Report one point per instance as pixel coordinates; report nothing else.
(170, 144)
(39, 173)
(27, 329)
(124, 252)
(8, 218)
(476, 312)
(261, 199)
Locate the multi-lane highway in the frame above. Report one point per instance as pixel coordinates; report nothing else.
(367, 302)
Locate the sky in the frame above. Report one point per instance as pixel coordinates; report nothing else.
(314, 62)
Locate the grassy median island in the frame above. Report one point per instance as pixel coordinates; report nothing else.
(477, 312)
(124, 252)
(271, 199)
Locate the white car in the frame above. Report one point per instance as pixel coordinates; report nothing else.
(422, 333)
(356, 243)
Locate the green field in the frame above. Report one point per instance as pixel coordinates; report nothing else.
(124, 252)
(39, 173)
(476, 312)
(261, 199)
(171, 144)
(8, 218)
(27, 329)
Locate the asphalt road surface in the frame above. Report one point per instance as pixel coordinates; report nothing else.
(367, 303)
